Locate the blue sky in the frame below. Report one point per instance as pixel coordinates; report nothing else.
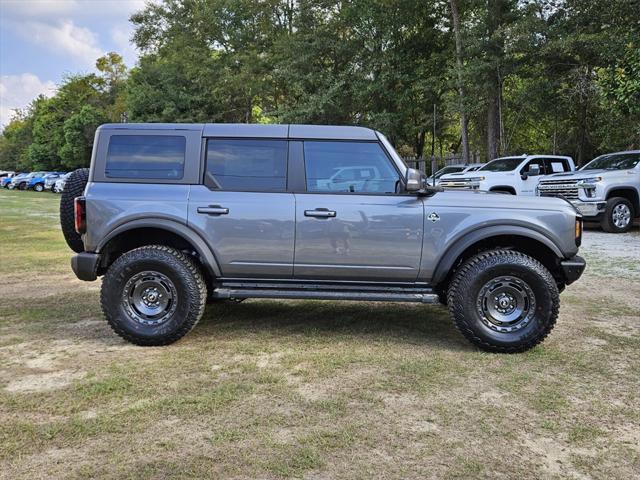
(42, 40)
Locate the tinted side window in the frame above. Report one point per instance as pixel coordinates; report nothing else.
(247, 165)
(146, 157)
(350, 167)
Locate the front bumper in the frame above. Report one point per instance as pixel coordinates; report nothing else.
(589, 209)
(572, 268)
(460, 185)
(85, 265)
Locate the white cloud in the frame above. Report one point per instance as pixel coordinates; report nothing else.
(66, 38)
(121, 38)
(17, 91)
(49, 10)
(38, 8)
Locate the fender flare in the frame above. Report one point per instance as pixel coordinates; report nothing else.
(466, 240)
(503, 188)
(629, 187)
(198, 243)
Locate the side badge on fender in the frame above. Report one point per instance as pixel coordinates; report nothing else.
(434, 217)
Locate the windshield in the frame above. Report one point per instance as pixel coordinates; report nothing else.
(615, 161)
(445, 170)
(502, 164)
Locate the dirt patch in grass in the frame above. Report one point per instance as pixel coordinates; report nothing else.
(42, 382)
(21, 286)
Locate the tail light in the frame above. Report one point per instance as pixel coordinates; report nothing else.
(80, 214)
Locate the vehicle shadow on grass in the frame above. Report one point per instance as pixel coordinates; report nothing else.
(323, 320)
(77, 317)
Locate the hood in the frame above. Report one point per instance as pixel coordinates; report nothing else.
(579, 174)
(460, 175)
(484, 199)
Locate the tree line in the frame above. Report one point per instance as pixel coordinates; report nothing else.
(505, 76)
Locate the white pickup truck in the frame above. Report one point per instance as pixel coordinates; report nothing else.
(513, 175)
(607, 189)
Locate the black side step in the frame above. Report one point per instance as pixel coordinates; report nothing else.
(417, 295)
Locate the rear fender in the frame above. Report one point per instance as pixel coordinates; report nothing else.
(198, 243)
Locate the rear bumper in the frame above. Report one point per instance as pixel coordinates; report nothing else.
(85, 265)
(572, 268)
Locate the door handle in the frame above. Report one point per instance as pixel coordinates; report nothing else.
(213, 210)
(318, 213)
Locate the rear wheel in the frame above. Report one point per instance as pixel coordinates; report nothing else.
(38, 187)
(153, 295)
(504, 301)
(618, 216)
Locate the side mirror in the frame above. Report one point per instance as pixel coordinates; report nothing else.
(534, 171)
(414, 180)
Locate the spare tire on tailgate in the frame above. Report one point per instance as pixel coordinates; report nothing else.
(74, 187)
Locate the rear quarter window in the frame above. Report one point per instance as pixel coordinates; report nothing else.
(159, 157)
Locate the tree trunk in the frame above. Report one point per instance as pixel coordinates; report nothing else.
(493, 124)
(464, 121)
(495, 53)
(420, 143)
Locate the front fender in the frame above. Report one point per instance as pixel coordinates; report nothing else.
(467, 239)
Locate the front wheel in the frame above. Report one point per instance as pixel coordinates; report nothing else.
(153, 295)
(504, 301)
(618, 216)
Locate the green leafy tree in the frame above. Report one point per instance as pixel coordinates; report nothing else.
(79, 130)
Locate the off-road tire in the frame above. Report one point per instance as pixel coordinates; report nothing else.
(464, 294)
(607, 224)
(180, 269)
(442, 296)
(74, 187)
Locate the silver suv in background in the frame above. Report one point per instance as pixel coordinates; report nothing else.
(58, 186)
(177, 215)
(607, 189)
(454, 168)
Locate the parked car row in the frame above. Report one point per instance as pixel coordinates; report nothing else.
(605, 190)
(37, 181)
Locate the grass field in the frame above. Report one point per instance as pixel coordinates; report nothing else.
(288, 389)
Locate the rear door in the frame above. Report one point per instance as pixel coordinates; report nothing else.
(243, 209)
(350, 222)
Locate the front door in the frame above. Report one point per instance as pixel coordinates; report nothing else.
(243, 209)
(350, 223)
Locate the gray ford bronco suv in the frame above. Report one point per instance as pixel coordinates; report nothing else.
(174, 216)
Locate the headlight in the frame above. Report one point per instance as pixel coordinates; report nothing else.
(589, 182)
(476, 179)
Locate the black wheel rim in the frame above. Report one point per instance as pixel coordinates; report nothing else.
(506, 304)
(150, 298)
